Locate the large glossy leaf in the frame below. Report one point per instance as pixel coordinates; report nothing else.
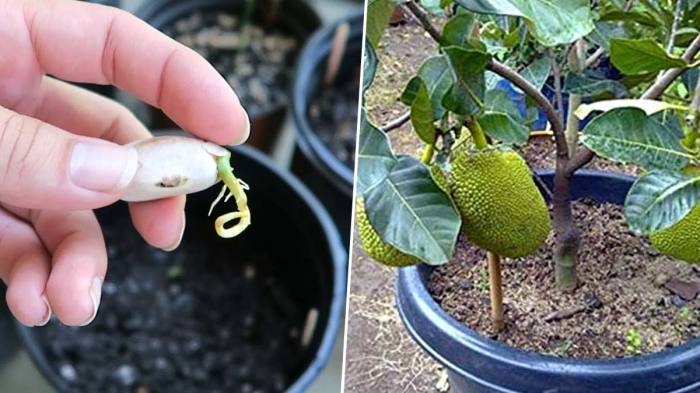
(502, 127)
(436, 74)
(410, 212)
(369, 66)
(589, 85)
(629, 16)
(375, 158)
(629, 135)
(638, 56)
(466, 95)
(457, 30)
(551, 22)
(433, 6)
(417, 96)
(648, 106)
(659, 199)
(378, 14)
(603, 32)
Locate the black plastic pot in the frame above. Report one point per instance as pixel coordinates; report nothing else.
(296, 18)
(290, 224)
(477, 364)
(330, 178)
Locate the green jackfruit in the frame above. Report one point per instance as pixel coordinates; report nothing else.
(440, 178)
(502, 209)
(375, 247)
(682, 239)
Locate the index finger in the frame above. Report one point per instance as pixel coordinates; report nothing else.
(85, 42)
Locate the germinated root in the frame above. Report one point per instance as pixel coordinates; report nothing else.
(236, 188)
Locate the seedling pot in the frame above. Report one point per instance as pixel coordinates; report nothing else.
(314, 161)
(476, 364)
(294, 17)
(304, 268)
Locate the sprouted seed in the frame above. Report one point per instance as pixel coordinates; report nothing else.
(236, 188)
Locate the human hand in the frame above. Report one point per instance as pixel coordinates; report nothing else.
(61, 151)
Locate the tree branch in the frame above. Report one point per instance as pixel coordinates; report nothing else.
(669, 76)
(582, 157)
(423, 19)
(528, 88)
(396, 123)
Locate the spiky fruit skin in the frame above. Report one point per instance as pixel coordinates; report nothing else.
(440, 178)
(502, 209)
(374, 246)
(682, 239)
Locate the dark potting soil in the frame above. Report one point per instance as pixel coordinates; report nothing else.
(622, 294)
(333, 113)
(256, 61)
(200, 319)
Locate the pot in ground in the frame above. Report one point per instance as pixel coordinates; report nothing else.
(256, 313)
(477, 364)
(326, 118)
(257, 60)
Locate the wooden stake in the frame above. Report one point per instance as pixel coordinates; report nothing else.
(494, 262)
(340, 40)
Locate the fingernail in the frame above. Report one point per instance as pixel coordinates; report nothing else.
(103, 167)
(47, 314)
(95, 296)
(179, 239)
(246, 131)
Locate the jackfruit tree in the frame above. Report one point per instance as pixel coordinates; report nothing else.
(470, 178)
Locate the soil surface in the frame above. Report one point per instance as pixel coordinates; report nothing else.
(182, 322)
(621, 295)
(333, 112)
(256, 61)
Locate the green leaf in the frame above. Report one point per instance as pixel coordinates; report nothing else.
(410, 212)
(638, 56)
(436, 74)
(536, 72)
(501, 127)
(628, 135)
(629, 16)
(551, 22)
(466, 95)
(588, 85)
(369, 66)
(375, 158)
(498, 100)
(378, 15)
(604, 32)
(659, 199)
(648, 106)
(417, 96)
(457, 30)
(433, 6)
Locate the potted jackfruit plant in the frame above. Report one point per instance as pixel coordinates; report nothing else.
(471, 203)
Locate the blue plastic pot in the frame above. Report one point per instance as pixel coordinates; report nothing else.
(285, 214)
(476, 364)
(326, 175)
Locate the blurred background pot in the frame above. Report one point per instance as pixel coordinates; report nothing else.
(257, 60)
(477, 364)
(325, 115)
(256, 313)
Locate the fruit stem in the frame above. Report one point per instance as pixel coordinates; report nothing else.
(225, 172)
(477, 134)
(496, 291)
(428, 152)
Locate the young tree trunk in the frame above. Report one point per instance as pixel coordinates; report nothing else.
(565, 232)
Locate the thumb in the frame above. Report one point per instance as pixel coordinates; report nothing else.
(42, 166)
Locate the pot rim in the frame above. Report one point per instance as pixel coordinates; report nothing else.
(411, 293)
(338, 257)
(161, 13)
(316, 51)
